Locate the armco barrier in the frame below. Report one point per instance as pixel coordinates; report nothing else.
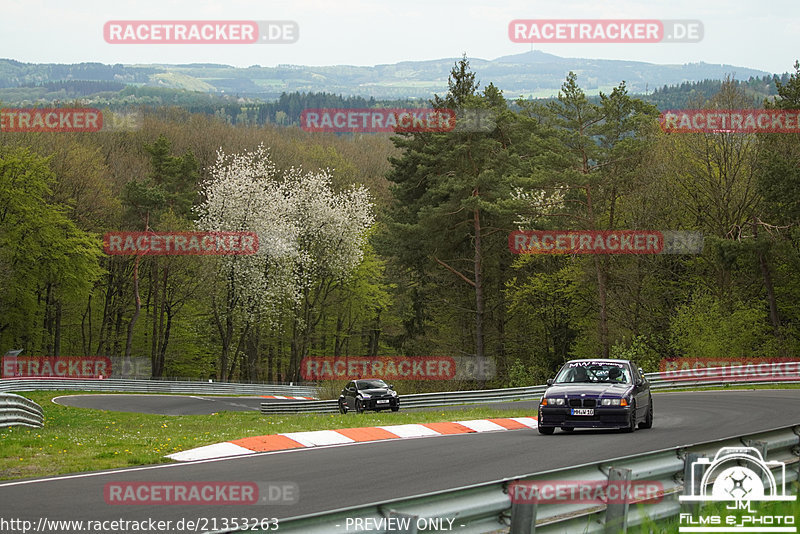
(16, 410)
(154, 386)
(716, 377)
(487, 507)
(419, 400)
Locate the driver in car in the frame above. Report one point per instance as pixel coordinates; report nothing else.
(615, 375)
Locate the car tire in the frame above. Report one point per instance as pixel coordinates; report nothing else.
(567, 429)
(547, 430)
(632, 423)
(648, 422)
(359, 406)
(395, 408)
(342, 406)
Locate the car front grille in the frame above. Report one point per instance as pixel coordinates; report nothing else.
(582, 403)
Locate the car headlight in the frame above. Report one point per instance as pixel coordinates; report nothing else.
(366, 396)
(553, 402)
(611, 402)
(393, 393)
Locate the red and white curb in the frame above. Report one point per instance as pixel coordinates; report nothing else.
(283, 397)
(317, 438)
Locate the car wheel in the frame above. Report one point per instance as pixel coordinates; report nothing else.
(359, 406)
(567, 429)
(547, 430)
(395, 408)
(342, 406)
(632, 423)
(648, 422)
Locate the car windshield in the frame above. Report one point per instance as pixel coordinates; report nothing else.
(591, 372)
(371, 384)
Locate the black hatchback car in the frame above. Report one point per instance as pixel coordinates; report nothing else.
(600, 393)
(368, 394)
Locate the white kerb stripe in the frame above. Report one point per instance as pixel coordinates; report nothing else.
(318, 437)
(527, 421)
(410, 431)
(481, 425)
(217, 450)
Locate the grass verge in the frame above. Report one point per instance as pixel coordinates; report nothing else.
(81, 439)
(764, 514)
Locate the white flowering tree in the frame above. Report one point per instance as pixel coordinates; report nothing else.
(311, 238)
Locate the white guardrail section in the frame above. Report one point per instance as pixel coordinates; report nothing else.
(16, 410)
(487, 507)
(710, 377)
(124, 385)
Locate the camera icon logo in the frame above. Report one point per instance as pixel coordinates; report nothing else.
(736, 474)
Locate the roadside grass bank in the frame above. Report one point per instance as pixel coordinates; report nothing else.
(81, 439)
(764, 515)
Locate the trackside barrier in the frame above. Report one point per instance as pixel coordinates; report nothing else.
(714, 377)
(487, 507)
(154, 386)
(16, 410)
(418, 400)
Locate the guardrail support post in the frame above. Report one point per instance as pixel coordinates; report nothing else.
(523, 517)
(692, 483)
(617, 512)
(760, 446)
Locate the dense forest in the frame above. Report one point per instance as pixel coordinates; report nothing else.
(418, 263)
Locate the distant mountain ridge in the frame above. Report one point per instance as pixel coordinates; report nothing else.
(530, 74)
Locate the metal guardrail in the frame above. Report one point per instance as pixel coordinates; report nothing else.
(16, 410)
(488, 507)
(154, 386)
(417, 400)
(715, 377)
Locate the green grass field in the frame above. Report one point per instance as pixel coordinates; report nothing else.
(766, 511)
(80, 439)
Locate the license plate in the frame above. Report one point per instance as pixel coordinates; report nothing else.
(383, 402)
(582, 411)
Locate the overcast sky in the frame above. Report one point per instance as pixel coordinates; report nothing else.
(763, 35)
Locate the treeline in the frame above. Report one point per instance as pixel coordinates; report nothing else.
(436, 276)
(690, 94)
(286, 110)
(248, 111)
(78, 88)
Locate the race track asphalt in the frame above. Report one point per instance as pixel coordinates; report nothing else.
(348, 475)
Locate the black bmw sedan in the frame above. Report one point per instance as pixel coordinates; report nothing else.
(601, 393)
(368, 394)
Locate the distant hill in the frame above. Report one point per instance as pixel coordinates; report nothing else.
(530, 74)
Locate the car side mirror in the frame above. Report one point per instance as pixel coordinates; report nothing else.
(391, 386)
(549, 382)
